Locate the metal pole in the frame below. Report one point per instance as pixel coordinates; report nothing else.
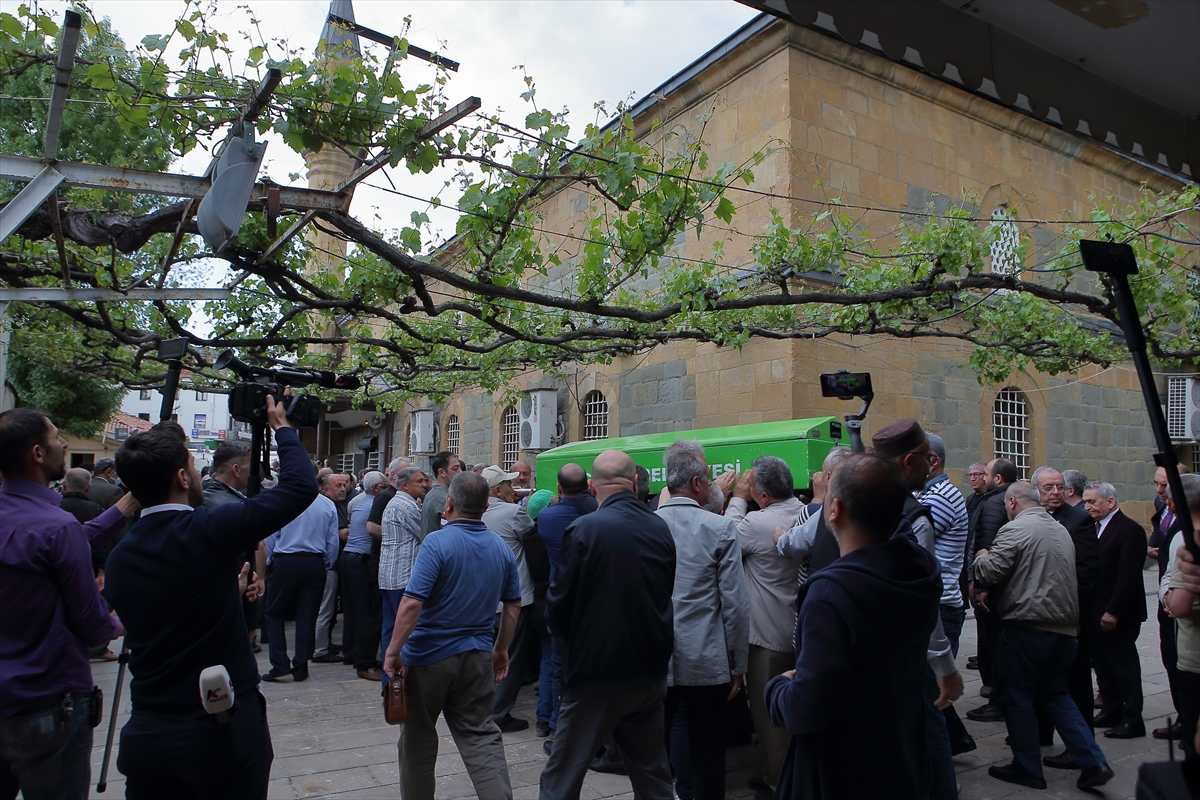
(4, 337)
(174, 367)
(122, 661)
(1118, 262)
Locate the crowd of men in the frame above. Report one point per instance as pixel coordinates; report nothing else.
(647, 622)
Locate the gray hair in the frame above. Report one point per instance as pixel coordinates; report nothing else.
(77, 480)
(684, 460)
(1074, 480)
(1023, 491)
(1103, 489)
(977, 465)
(716, 499)
(835, 455)
(773, 476)
(1191, 491)
(469, 493)
(371, 480)
(394, 467)
(938, 446)
(407, 475)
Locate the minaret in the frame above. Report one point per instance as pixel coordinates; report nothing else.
(330, 167)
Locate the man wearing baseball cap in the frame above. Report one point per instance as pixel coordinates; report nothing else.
(512, 524)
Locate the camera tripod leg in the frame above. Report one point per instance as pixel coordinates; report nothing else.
(122, 661)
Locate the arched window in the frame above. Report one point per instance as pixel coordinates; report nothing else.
(1010, 429)
(510, 437)
(1005, 259)
(452, 434)
(595, 416)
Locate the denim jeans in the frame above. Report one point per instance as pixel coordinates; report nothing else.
(548, 688)
(1033, 665)
(942, 783)
(47, 753)
(952, 624)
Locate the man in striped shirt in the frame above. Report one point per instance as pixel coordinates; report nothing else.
(401, 539)
(949, 510)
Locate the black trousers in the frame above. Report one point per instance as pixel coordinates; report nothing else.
(704, 746)
(297, 582)
(524, 649)
(363, 610)
(988, 631)
(1170, 656)
(1118, 670)
(1079, 679)
(1189, 711)
(195, 756)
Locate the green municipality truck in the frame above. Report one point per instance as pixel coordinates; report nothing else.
(802, 443)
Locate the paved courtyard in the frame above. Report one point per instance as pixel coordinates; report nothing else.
(331, 741)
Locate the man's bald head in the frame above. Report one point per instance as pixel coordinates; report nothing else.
(77, 480)
(613, 472)
(1020, 496)
(572, 480)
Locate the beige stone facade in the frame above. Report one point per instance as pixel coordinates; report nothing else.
(840, 121)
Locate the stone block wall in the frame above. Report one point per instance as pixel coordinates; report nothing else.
(657, 398)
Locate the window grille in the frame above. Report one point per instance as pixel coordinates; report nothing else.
(143, 394)
(1177, 387)
(408, 439)
(1005, 258)
(510, 438)
(1010, 429)
(595, 417)
(201, 396)
(452, 434)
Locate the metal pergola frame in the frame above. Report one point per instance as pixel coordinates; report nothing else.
(44, 176)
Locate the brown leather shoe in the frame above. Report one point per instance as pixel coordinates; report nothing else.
(371, 674)
(109, 655)
(1175, 731)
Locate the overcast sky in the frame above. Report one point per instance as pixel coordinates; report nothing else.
(578, 53)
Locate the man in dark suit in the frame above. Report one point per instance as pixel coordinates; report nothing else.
(610, 611)
(174, 581)
(1118, 611)
(227, 484)
(1051, 488)
(1164, 527)
(104, 490)
(982, 526)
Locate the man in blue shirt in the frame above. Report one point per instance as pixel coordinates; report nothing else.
(442, 644)
(299, 554)
(360, 585)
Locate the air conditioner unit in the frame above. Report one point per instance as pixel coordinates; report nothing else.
(539, 418)
(1183, 407)
(421, 435)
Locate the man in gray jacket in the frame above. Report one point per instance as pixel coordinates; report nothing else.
(712, 616)
(1040, 611)
(771, 585)
(512, 524)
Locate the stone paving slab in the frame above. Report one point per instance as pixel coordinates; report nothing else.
(331, 741)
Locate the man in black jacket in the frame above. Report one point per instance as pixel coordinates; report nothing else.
(610, 605)
(989, 517)
(1117, 613)
(173, 579)
(1082, 528)
(227, 484)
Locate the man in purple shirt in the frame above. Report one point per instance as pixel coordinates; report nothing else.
(52, 613)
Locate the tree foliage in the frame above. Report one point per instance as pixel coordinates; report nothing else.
(507, 293)
(79, 404)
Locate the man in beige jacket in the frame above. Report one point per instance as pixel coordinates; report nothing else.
(1039, 608)
(771, 584)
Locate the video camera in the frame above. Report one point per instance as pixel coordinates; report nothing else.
(248, 400)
